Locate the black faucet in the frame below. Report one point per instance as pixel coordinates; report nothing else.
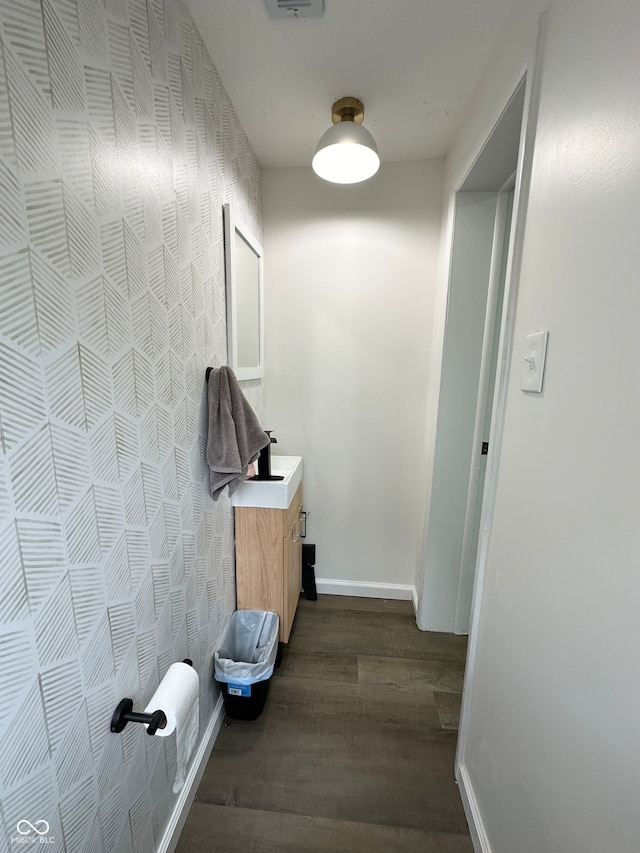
(264, 461)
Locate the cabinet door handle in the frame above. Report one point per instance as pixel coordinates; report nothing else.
(294, 534)
(303, 518)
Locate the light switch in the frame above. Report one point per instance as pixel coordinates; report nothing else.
(533, 363)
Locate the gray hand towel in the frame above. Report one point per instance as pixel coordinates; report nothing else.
(235, 437)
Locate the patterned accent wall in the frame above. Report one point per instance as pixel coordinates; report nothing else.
(118, 148)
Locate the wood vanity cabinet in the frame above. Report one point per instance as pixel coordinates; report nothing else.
(269, 560)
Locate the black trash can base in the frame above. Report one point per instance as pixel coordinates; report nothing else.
(244, 707)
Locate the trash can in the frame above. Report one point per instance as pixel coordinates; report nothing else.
(244, 660)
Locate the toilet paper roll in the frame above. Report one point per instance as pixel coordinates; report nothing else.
(177, 696)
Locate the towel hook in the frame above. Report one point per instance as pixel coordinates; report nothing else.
(217, 362)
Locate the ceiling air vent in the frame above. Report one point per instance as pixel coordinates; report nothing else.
(295, 8)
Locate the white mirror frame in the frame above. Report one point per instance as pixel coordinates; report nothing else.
(245, 308)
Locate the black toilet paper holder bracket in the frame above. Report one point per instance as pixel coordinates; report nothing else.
(124, 714)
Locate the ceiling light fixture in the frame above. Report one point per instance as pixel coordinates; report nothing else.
(346, 153)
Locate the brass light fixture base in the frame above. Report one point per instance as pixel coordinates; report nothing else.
(348, 109)
(346, 152)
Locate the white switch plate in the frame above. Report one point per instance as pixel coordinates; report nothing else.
(533, 361)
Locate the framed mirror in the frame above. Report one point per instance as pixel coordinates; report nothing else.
(245, 298)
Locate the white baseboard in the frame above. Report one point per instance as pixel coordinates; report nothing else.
(416, 603)
(477, 831)
(180, 812)
(362, 589)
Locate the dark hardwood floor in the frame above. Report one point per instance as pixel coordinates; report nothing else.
(354, 750)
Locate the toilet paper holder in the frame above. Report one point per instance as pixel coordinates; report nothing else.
(124, 714)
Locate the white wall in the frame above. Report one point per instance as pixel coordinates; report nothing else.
(550, 737)
(350, 279)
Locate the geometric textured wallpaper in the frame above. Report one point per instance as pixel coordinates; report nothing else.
(118, 149)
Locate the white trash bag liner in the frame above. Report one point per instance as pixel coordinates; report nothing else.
(248, 648)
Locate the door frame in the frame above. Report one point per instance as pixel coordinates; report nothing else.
(456, 366)
(514, 264)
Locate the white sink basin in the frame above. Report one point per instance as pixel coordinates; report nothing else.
(272, 494)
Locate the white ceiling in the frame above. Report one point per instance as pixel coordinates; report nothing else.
(414, 64)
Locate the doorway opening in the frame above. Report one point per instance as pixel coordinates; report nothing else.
(482, 226)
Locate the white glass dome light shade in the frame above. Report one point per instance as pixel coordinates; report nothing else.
(346, 154)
